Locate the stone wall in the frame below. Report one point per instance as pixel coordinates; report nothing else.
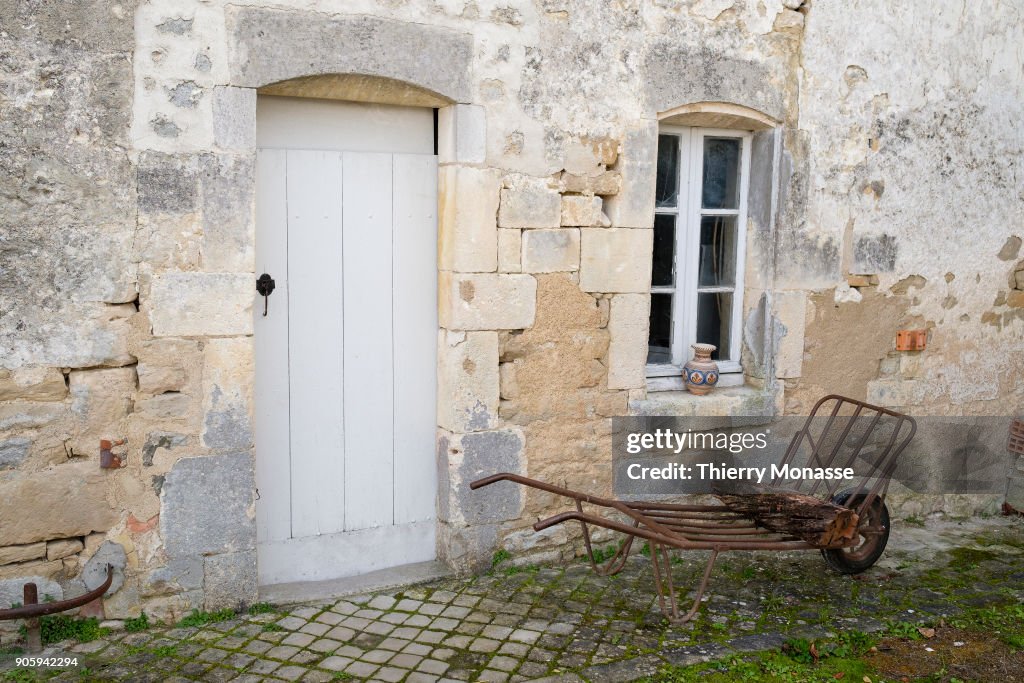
(127, 244)
(914, 203)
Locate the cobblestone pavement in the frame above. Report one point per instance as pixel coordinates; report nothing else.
(527, 623)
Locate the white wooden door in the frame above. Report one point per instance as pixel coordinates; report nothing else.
(346, 201)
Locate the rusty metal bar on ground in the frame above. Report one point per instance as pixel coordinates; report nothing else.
(31, 609)
(734, 526)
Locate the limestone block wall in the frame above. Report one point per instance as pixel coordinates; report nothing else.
(913, 211)
(126, 245)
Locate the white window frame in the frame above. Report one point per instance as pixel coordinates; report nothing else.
(686, 259)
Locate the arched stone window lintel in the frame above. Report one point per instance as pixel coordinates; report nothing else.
(717, 115)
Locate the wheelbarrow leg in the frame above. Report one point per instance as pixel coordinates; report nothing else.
(614, 565)
(665, 586)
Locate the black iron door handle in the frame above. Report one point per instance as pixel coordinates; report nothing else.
(265, 287)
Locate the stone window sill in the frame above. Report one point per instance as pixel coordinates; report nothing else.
(737, 400)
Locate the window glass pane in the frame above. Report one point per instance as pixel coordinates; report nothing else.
(668, 170)
(714, 318)
(717, 251)
(721, 173)
(659, 349)
(664, 250)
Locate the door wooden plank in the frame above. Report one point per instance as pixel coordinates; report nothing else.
(369, 403)
(414, 348)
(315, 341)
(273, 508)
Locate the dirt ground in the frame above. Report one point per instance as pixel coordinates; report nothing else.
(951, 655)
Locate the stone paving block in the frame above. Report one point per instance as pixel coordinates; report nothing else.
(532, 669)
(258, 647)
(444, 624)
(443, 653)
(239, 660)
(408, 605)
(433, 666)
(405, 633)
(431, 608)
(432, 637)
(466, 600)
(315, 629)
(264, 666)
(418, 677)
(361, 669)
(306, 612)
(206, 636)
(350, 651)
(273, 636)
(395, 644)
(282, 652)
(298, 639)
(492, 676)
(455, 612)
(405, 661)
(503, 663)
(231, 642)
(316, 676)
(418, 620)
(396, 618)
(524, 636)
(442, 596)
(484, 645)
(379, 628)
(335, 663)
(506, 620)
(291, 623)
(390, 674)
(469, 628)
(324, 645)
(212, 655)
(479, 617)
(369, 613)
(561, 628)
(290, 673)
(459, 642)
(417, 649)
(382, 602)
(342, 633)
(497, 632)
(345, 608)
(215, 675)
(514, 649)
(357, 623)
(377, 656)
(330, 618)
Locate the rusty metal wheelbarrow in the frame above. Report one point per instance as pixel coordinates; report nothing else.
(720, 527)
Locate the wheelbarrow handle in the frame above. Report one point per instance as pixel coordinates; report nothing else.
(487, 481)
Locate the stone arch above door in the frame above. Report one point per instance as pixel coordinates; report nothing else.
(271, 46)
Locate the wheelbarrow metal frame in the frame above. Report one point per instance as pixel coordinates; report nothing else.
(717, 528)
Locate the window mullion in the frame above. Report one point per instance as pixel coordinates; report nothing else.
(694, 165)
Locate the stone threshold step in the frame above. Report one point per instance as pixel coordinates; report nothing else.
(382, 579)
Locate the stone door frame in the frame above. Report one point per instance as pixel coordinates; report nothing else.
(356, 58)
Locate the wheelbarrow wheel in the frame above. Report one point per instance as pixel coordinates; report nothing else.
(858, 558)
